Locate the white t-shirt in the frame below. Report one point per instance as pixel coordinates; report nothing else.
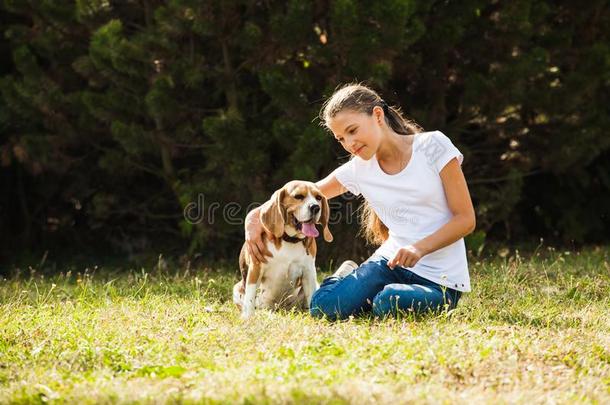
(413, 205)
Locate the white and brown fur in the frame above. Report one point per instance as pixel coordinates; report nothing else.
(288, 279)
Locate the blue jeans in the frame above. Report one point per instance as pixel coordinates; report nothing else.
(375, 286)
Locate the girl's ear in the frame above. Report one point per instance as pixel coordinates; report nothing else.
(378, 114)
(273, 214)
(324, 217)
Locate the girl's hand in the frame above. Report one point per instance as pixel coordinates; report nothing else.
(406, 257)
(257, 248)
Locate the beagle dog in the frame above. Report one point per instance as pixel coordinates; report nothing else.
(288, 279)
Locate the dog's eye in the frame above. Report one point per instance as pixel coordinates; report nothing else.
(299, 196)
(318, 197)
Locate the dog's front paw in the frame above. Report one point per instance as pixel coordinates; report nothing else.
(247, 312)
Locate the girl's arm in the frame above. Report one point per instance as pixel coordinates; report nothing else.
(461, 224)
(463, 221)
(331, 187)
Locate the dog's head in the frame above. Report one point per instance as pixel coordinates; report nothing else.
(295, 209)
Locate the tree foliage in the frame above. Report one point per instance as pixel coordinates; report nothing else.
(115, 117)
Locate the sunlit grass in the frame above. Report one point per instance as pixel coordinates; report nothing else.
(532, 330)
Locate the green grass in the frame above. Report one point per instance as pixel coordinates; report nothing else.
(532, 330)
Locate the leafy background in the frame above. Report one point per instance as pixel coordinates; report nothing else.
(115, 116)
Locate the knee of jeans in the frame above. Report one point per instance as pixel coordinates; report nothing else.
(384, 302)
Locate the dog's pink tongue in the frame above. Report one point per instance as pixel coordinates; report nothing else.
(309, 230)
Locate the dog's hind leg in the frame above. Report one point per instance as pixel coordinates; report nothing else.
(238, 294)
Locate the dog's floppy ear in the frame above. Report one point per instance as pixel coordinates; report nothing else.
(324, 220)
(273, 214)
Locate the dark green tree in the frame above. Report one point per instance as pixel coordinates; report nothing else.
(116, 118)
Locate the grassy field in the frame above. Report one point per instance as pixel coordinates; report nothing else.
(533, 330)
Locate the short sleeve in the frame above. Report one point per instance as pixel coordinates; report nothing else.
(346, 175)
(439, 150)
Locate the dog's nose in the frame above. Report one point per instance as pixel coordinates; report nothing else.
(314, 208)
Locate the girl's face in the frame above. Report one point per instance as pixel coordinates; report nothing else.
(359, 133)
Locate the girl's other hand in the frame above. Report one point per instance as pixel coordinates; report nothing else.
(407, 256)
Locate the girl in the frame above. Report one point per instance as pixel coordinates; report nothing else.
(417, 206)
